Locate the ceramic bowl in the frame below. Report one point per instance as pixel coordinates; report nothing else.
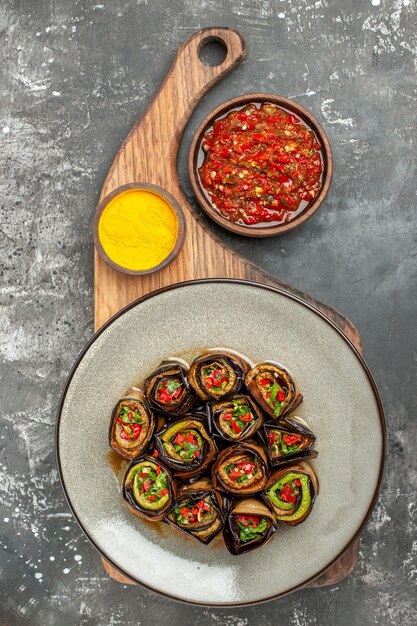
(153, 189)
(196, 157)
(341, 405)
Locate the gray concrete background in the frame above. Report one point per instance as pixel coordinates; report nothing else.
(75, 76)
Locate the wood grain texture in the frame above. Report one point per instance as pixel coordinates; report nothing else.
(149, 154)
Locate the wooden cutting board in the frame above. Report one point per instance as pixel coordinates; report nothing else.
(149, 154)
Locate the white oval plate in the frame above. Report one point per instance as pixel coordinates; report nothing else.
(341, 405)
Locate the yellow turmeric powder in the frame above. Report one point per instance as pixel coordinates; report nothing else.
(138, 229)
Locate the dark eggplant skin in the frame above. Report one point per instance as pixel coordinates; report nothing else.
(134, 506)
(167, 369)
(300, 467)
(235, 364)
(290, 426)
(247, 506)
(215, 409)
(183, 470)
(135, 396)
(284, 377)
(224, 458)
(205, 477)
(200, 489)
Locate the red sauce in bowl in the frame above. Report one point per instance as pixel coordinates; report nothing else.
(261, 164)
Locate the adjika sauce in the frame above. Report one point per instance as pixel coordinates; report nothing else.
(261, 164)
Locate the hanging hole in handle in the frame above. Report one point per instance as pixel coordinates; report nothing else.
(212, 51)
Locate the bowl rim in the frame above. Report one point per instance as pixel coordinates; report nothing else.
(314, 310)
(157, 190)
(225, 107)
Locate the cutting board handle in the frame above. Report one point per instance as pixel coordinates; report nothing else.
(204, 76)
(190, 78)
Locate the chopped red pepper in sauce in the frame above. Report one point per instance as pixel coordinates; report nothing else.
(191, 512)
(187, 445)
(152, 482)
(239, 417)
(291, 439)
(248, 519)
(242, 471)
(283, 443)
(213, 377)
(169, 390)
(262, 164)
(130, 421)
(287, 494)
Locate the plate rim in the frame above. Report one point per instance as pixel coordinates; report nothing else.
(249, 283)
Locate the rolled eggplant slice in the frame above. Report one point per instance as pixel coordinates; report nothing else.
(214, 375)
(132, 425)
(249, 525)
(198, 511)
(185, 446)
(149, 489)
(240, 470)
(273, 388)
(291, 492)
(236, 417)
(287, 441)
(168, 390)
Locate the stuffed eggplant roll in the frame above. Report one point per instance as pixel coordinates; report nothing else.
(240, 470)
(273, 388)
(149, 489)
(185, 446)
(235, 418)
(214, 375)
(291, 491)
(132, 425)
(167, 389)
(198, 511)
(249, 525)
(288, 440)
